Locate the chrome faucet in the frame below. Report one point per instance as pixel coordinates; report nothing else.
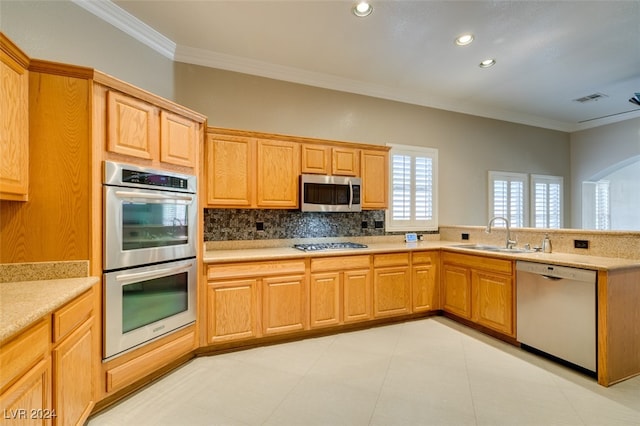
(509, 242)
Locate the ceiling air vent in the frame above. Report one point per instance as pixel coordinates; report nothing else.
(592, 97)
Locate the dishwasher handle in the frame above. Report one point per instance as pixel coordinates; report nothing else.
(550, 278)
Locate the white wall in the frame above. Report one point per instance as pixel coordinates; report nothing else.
(596, 150)
(61, 31)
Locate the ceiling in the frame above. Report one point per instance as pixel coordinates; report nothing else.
(548, 53)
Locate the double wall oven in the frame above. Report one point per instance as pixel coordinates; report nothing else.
(149, 261)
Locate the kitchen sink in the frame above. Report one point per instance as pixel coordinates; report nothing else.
(484, 247)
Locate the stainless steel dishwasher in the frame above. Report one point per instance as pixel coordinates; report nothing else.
(556, 312)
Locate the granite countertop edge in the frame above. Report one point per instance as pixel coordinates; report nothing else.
(218, 256)
(23, 303)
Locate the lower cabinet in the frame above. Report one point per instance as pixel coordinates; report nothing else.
(250, 299)
(391, 284)
(480, 289)
(425, 281)
(340, 290)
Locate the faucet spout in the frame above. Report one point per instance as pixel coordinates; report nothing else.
(509, 242)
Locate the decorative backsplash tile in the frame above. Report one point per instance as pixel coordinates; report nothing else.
(243, 224)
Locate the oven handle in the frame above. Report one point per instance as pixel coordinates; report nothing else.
(158, 273)
(134, 195)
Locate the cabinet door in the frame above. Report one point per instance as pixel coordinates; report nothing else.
(278, 174)
(457, 290)
(345, 162)
(357, 295)
(375, 179)
(132, 126)
(73, 385)
(178, 139)
(283, 304)
(324, 295)
(232, 310)
(424, 282)
(391, 291)
(493, 301)
(230, 171)
(14, 125)
(28, 396)
(316, 159)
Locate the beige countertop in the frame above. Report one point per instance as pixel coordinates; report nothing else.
(24, 302)
(288, 252)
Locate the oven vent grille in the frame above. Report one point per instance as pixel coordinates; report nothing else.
(591, 97)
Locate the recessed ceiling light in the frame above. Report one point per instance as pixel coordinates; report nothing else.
(487, 63)
(464, 39)
(362, 9)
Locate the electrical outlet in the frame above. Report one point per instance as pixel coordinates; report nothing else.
(465, 236)
(581, 244)
(259, 226)
(364, 225)
(379, 224)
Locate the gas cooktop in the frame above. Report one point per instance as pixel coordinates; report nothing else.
(328, 246)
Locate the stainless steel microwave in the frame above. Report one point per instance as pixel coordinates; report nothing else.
(319, 193)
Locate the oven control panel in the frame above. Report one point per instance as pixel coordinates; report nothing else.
(153, 179)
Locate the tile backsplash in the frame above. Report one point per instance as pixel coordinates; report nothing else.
(243, 224)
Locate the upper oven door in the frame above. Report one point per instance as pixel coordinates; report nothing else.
(147, 226)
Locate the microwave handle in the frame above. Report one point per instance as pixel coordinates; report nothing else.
(350, 194)
(158, 273)
(162, 197)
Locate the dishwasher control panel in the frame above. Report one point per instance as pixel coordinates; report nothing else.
(556, 271)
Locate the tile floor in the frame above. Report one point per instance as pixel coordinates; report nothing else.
(427, 372)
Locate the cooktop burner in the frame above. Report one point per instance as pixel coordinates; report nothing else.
(328, 246)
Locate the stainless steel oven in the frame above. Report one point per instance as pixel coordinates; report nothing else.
(144, 303)
(150, 216)
(149, 260)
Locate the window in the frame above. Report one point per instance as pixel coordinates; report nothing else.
(413, 189)
(508, 197)
(547, 201)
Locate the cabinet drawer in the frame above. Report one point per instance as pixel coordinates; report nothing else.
(21, 353)
(391, 259)
(340, 263)
(70, 316)
(424, 257)
(236, 270)
(479, 262)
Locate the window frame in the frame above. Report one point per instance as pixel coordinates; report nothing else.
(413, 224)
(509, 177)
(547, 180)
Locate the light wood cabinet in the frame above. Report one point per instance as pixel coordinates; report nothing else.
(14, 122)
(480, 289)
(325, 297)
(25, 376)
(278, 169)
(230, 171)
(74, 358)
(284, 302)
(140, 129)
(391, 284)
(330, 160)
(375, 179)
(232, 310)
(425, 284)
(340, 290)
(245, 172)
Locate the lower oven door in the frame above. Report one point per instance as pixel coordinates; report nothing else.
(147, 226)
(144, 303)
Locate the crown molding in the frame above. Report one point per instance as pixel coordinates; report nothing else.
(123, 20)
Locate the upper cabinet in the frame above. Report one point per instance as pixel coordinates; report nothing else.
(259, 170)
(375, 179)
(245, 172)
(328, 160)
(138, 128)
(14, 122)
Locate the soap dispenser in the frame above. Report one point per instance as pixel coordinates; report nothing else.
(546, 244)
